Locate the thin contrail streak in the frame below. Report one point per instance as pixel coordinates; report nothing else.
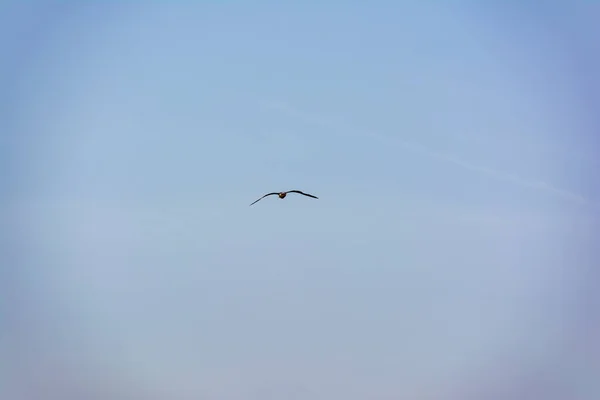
(428, 152)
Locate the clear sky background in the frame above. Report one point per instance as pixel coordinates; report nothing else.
(453, 251)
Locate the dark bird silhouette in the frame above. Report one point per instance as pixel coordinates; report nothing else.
(283, 194)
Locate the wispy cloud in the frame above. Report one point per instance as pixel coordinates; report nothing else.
(417, 148)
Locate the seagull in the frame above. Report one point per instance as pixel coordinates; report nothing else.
(283, 194)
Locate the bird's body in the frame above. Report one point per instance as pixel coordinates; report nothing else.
(282, 195)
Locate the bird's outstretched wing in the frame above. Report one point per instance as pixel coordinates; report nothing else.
(268, 194)
(306, 194)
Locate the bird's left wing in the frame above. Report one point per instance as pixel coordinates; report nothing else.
(268, 194)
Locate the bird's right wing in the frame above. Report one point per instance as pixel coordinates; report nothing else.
(268, 194)
(301, 192)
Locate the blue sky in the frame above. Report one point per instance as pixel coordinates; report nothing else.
(453, 149)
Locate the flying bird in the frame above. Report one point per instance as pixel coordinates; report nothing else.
(283, 194)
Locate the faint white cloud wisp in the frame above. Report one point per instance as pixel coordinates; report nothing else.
(422, 150)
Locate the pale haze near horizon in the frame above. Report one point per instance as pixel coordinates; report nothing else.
(449, 255)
